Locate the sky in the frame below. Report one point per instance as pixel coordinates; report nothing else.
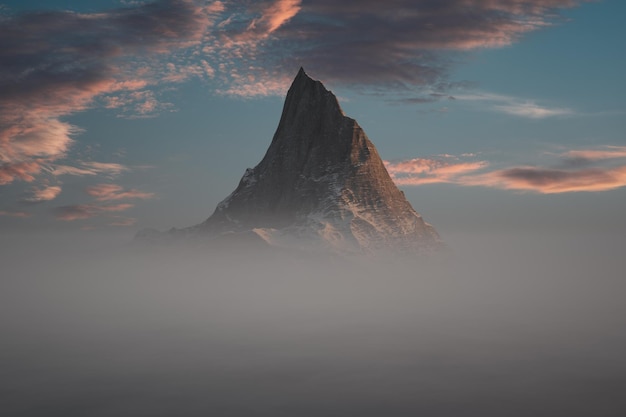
(117, 115)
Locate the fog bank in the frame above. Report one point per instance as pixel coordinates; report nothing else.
(525, 324)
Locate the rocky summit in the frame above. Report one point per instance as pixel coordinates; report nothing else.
(320, 186)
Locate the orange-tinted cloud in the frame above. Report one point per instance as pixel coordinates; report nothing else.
(606, 152)
(564, 178)
(47, 193)
(102, 194)
(420, 171)
(24, 171)
(276, 14)
(113, 192)
(87, 211)
(89, 168)
(551, 181)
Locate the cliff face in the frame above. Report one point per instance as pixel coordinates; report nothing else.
(321, 181)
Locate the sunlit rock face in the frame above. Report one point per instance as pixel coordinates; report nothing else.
(321, 185)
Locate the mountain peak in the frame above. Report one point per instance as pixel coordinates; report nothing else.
(321, 184)
(302, 76)
(307, 97)
(321, 175)
(301, 72)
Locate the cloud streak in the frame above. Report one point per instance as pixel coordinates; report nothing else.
(89, 168)
(419, 171)
(552, 181)
(532, 110)
(543, 180)
(514, 106)
(604, 153)
(274, 15)
(114, 192)
(88, 211)
(106, 200)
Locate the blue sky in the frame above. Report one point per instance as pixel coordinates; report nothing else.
(119, 115)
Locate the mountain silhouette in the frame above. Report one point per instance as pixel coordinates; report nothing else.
(320, 185)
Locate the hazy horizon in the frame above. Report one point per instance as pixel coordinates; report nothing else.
(502, 325)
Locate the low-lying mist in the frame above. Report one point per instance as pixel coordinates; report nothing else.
(524, 324)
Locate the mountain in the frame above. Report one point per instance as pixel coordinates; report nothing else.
(321, 185)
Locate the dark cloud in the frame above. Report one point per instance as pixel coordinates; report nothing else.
(577, 162)
(398, 43)
(549, 181)
(580, 158)
(43, 56)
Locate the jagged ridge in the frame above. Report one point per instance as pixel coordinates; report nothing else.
(322, 178)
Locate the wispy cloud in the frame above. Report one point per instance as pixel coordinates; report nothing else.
(533, 111)
(19, 214)
(88, 211)
(113, 192)
(107, 198)
(444, 169)
(89, 168)
(46, 193)
(602, 153)
(561, 178)
(514, 106)
(274, 15)
(111, 168)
